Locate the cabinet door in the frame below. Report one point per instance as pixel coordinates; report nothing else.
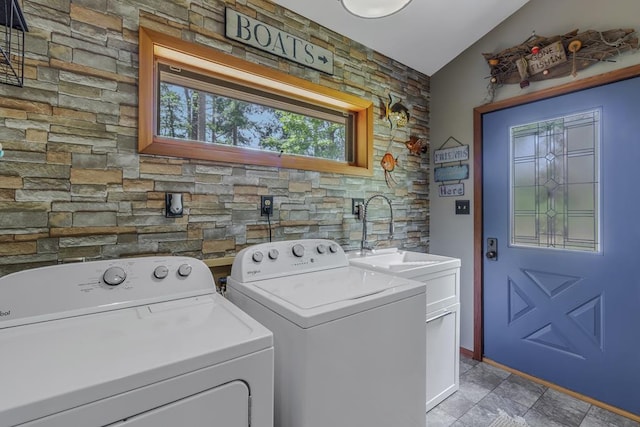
(443, 354)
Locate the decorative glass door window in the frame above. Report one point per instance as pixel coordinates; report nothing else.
(554, 183)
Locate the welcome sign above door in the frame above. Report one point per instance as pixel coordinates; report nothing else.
(265, 37)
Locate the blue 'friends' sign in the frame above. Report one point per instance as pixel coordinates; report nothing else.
(451, 173)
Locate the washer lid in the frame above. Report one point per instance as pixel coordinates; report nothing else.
(56, 365)
(313, 298)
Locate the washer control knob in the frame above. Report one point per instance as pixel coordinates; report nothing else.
(333, 248)
(321, 249)
(298, 250)
(161, 272)
(114, 276)
(184, 270)
(273, 254)
(257, 256)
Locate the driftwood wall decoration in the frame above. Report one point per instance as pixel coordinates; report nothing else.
(541, 58)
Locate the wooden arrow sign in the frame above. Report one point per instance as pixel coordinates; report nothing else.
(267, 38)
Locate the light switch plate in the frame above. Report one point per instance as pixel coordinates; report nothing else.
(462, 207)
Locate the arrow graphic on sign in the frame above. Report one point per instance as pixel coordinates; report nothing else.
(323, 59)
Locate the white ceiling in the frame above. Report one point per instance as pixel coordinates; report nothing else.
(425, 35)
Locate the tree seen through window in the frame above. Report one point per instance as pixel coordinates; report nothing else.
(199, 115)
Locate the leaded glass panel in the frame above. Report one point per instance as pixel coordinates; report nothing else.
(554, 183)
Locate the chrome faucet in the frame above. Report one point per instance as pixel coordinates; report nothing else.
(363, 243)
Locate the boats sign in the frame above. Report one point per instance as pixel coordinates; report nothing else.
(265, 37)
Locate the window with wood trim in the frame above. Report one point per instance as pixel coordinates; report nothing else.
(196, 102)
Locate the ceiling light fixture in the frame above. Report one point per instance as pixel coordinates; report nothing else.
(374, 8)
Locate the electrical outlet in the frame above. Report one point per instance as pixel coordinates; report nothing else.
(266, 205)
(173, 207)
(356, 207)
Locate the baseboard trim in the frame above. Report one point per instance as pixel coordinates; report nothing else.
(582, 397)
(466, 353)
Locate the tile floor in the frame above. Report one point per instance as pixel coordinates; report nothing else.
(484, 389)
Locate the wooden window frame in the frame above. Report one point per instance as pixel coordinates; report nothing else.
(158, 46)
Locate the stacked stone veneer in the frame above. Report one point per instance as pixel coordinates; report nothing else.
(72, 183)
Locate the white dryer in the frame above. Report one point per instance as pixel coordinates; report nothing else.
(135, 342)
(349, 343)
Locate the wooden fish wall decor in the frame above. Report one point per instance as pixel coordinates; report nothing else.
(541, 58)
(416, 146)
(388, 163)
(396, 114)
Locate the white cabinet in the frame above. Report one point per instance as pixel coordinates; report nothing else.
(443, 354)
(442, 277)
(443, 331)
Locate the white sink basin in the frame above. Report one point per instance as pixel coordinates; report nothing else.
(398, 261)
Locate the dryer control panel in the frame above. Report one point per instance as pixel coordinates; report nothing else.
(285, 258)
(67, 290)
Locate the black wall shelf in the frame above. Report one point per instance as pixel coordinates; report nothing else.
(13, 27)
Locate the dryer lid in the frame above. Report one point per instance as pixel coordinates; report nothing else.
(56, 365)
(314, 298)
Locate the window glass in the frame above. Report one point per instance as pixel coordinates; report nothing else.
(555, 183)
(194, 107)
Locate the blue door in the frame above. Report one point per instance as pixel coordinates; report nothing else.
(561, 198)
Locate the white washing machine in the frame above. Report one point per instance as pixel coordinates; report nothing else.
(135, 342)
(349, 343)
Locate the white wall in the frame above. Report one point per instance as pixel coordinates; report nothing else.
(462, 85)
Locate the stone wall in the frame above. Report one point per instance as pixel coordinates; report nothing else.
(72, 184)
